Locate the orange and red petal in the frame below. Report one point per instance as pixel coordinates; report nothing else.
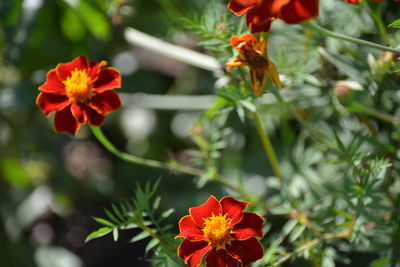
(193, 252)
(233, 208)
(79, 112)
(239, 7)
(246, 251)
(109, 78)
(189, 229)
(105, 102)
(51, 102)
(249, 226)
(64, 70)
(53, 84)
(85, 114)
(219, 258)
(247, 38)
(65, 122)
(95, 68)
(257, 21)
(297, 11)
(212, 206)
(95, 118)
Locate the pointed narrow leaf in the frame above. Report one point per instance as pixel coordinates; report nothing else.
(156, 202)
(140, 236)
(151, 245)
(395, 24)
(117, 212)
(99, 233)
(115, 234)
(111, 216)
(104, 222)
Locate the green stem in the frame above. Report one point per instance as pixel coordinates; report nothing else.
(314, 26)
(375, 12)
(314, 134)
(269, 150)
(172, 166)
(307, 246)
(375, 113)
(311, 244)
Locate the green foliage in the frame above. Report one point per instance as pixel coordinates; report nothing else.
(141, 213)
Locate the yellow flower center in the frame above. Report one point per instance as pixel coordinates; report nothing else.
(78, 86)
(217, 230)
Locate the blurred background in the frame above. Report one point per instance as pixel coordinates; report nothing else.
(51, 185)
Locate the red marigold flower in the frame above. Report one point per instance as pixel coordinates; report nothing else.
(260, 13)
(254, 55)
(79, 91)
(223, 231)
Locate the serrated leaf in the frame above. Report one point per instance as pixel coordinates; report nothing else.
(140, 236)
(104, 222)
(99, 233)
(151, 245)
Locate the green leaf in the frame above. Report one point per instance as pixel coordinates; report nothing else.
(111, 216)
(339, 143)
(346, 66)
(289, 226)
(99, 233)
(269, 254)
(151, 245)
(95, 21)
(344, 214)
(156, 202)
(115, 234)
(395, 24)
(380, 263)
(71, 25)
(139, 237)
(104, 222)
(167, 213)
(117, 212)
(296, 233)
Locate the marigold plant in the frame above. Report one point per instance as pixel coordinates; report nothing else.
(290, 105)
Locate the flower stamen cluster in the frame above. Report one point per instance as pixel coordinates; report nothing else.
(78, 86)
(217, 230)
